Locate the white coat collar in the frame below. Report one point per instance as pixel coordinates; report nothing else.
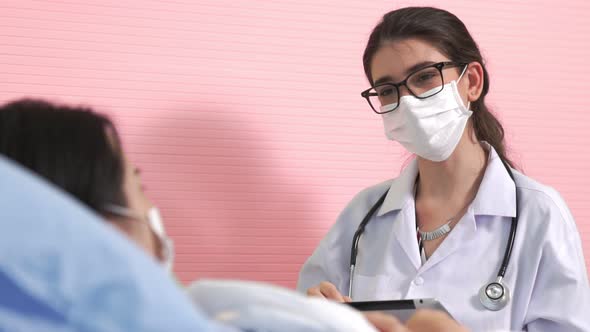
(496, 195)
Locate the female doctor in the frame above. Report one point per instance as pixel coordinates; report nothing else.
(496, 248)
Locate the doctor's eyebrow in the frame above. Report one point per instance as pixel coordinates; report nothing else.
(410, 70)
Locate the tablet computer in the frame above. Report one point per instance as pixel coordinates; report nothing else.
(401, 309)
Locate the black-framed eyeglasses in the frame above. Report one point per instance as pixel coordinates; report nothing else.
(422, 83)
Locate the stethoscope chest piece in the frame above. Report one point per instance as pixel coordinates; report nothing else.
(494, 295)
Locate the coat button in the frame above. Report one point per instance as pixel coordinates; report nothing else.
(418, 281)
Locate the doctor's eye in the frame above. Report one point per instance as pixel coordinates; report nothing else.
(384, 95)
(385, 92)
(426, 82)
(425, 77)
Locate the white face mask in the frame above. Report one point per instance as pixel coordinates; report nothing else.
(154, 220)
(157, 226)
(430, 128)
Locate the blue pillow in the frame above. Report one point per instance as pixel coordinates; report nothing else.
(64, 269)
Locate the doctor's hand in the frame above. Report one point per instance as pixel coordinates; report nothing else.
(385, 323)
(422, 321)
(328, 291)
(433, 320)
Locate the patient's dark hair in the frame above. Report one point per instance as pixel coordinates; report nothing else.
(73, 147)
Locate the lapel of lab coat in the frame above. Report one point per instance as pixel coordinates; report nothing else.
(496, 196)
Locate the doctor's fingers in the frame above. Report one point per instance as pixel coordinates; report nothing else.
(432, 320)
(326, 290)
(385, 323)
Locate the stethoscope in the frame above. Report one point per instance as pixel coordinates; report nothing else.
(493, 296)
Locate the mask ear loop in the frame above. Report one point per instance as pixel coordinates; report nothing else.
(154, 222)
(122, 211)
(459, 79)
(463, 72)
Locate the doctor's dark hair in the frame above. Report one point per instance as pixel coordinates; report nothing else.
(449, 35)
(75, 148)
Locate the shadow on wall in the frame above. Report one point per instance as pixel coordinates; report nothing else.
(230, 210)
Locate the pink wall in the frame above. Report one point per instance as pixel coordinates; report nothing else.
(246, 119)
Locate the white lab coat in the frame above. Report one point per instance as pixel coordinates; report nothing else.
(546, 275)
